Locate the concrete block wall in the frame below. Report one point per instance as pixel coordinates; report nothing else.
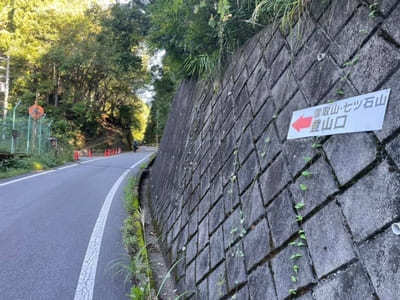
(228, 188)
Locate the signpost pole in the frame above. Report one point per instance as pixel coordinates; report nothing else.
(28, 139)
(13, 128)
(40, 133)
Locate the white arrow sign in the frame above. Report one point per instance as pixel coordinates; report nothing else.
(356, 114)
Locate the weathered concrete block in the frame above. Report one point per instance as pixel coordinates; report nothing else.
(252, 205)
(217, 253)
(235, 269)
(357, 150)
(245, 144)
(231, 196)
(237, 88)
(241, 101)
(257, 75)
(273, 48)
(350, 38)
(202, 264)
(381, 258)
(191, 249)
(268, 146)
(183, 238)
(317, 8)
(298, 152)
(228, 170)
(392, 118)
(307, 296)
(300, 33)
(278, 66)
(248, 171)
(217, 285)
(391, 24)
(282, 268)
(256, 244)
(243, 121)
(284, 89)
(263, 118)
(233, 228)
(282, 219)
(204, 206)
(203, 233)
(240, 67)
(243, 293)
(261, 284)
(190, 280)
(308, 55)
(319, 79)
(351, 284)
(336, 15)
(386, 6)
(193, 222)
(393, 148)
(373, 202)
(254, 58)
(217, 215)
(329, 243)
(377, 59)
(260, 94)
(315, 188)
(341, 90)
(283, 119)
(202, 290)
(216, 189)
(274, 179)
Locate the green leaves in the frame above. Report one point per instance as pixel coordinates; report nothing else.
(340, 92)
(296, 256)
(296, 269)
(303, 187)
(316, 145)
(299, 205)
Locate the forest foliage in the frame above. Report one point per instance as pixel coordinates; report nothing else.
(81, 62)
(200, 35)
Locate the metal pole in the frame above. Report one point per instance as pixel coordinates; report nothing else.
(7, 89)
(49, 135)
(13, 128)
(28, 140)
(40, 132)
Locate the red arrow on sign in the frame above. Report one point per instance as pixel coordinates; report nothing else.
(302, 123)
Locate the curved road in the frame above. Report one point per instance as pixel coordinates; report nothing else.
(60, 231)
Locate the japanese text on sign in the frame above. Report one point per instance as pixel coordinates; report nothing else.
(356, 114)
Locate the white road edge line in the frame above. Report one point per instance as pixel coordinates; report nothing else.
(92, 160)
(26, 177)
(87, 277)
(67, 167)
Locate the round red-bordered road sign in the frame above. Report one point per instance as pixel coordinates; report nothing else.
(36, 111)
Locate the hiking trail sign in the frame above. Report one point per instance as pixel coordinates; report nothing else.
(356, 114)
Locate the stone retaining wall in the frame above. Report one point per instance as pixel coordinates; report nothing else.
(228, 188)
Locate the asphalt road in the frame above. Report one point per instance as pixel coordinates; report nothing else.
(50, 225)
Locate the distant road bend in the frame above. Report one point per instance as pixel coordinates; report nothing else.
(60, 231)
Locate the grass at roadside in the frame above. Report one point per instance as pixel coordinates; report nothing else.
(139, 272)
(20, 166)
